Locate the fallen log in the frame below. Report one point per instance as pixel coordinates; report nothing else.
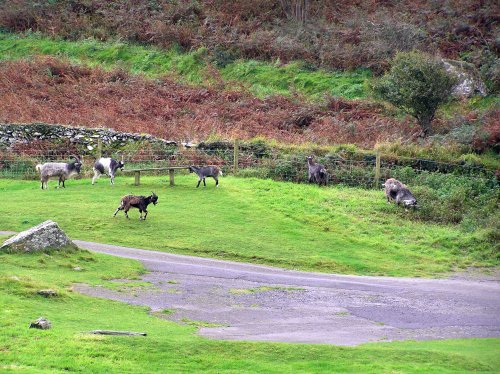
(110, 332)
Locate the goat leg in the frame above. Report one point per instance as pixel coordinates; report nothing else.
(117, 210)
(198, 185)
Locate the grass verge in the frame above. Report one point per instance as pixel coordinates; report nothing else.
(297, 226)
(170, 347)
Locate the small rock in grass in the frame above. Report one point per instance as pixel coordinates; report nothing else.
(41, 323)
(47, 293)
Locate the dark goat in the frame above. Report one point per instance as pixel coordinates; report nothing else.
(107, 165)
(62, 170)
(317, 172)
(139, 202)
(397, 191)
(206, 171)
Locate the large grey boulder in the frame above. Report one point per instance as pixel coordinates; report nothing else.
(469, 81)
(46, 235)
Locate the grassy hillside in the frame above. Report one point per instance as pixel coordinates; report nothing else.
(342, 230)
(340, 35)
(170, 347)
(260, 78)
(187, 95)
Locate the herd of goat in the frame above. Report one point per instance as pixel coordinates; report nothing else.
(317, 173)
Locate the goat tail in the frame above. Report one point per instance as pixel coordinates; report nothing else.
(38, 167)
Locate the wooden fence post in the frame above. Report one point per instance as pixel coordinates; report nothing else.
(137, 178)
(171, 175)
(235, 158)
(99, 148)
(376, 182)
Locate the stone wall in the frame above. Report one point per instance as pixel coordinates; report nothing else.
(88, 137)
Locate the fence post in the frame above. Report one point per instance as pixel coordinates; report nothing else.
(235, 158)
(376, 182)
(99, 148)
(171, 175)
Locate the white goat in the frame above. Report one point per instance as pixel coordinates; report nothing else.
(107, 165)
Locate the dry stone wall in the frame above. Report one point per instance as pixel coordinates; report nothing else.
(88, 137)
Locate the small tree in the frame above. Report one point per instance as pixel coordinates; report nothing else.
(418, 84)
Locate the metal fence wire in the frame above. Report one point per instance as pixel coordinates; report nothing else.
(357, 170)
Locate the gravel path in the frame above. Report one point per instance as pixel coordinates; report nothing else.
(251, 302)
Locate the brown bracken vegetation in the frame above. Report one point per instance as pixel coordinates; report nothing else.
(340, 34)
(52, 91)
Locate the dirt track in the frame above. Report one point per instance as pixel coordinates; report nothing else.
(251, 302)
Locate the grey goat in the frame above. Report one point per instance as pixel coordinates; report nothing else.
(206, 171)
(109, 166)
(62, 170)
(317, 172)
(397, 191)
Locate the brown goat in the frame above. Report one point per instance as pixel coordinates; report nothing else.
(139, 202)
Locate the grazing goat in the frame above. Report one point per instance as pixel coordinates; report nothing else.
(317, 172)
(139, 202)
(395, 190)
(107, 165)
(62, 170)
(206, 171)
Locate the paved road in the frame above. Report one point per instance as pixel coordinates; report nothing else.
(252, 302)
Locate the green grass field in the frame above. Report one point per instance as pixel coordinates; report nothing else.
(261, 78)
(296, 226)
(171, 347)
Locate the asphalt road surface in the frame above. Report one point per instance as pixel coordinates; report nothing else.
(251, 302)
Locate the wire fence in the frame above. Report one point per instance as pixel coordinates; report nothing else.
(358, 170)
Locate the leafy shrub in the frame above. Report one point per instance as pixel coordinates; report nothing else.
(418, 84)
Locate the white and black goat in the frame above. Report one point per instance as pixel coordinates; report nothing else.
(206, 171)
(397, 191)
(107, 165)
(62, 170)
(139, 202)
(317, 172)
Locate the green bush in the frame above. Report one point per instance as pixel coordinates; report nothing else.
(418, 84)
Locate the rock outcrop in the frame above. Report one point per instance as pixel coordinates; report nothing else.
(469, 82)
(47, 235)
